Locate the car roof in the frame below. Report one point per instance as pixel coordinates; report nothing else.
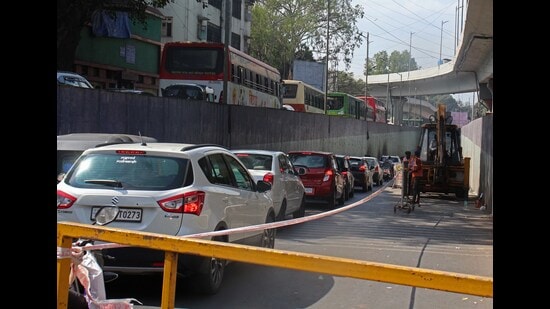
(68, 73)
(83, 141)
(163, 147)
(311, 152)
(258, 151)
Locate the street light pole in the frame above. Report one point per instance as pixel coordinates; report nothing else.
(441, 44)
(326, 67)
(410, 55)
(400, 90)
(367, 74)
(388, 100)
(409, 73)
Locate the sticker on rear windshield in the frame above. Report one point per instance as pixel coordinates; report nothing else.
(127, 160)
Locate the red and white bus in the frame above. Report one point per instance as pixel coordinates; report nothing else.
(376, 112)
(303, 97)
(252, 82)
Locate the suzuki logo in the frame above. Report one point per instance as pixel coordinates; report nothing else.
(114, 200)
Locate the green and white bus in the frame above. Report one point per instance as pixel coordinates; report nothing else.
(345, 105)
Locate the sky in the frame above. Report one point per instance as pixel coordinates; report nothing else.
(390, 23)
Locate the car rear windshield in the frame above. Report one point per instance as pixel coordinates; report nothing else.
(355, 163)
(309, 160)
(256, 161)
(135, 172)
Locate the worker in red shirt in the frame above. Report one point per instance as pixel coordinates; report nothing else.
(415, 168)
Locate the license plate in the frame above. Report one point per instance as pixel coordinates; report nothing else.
(124, 214)
(309, 190)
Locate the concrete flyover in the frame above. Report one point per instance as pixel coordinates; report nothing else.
(470, 70)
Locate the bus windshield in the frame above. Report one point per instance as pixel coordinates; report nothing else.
(194, 60)
(290, 91)
(335, 103)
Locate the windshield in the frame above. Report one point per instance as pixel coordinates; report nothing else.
(312, 161)
(74, 81)
(256, 161)
(134, 172)
(194, 60)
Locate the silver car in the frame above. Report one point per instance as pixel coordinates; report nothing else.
(287, 189)
(172, 189)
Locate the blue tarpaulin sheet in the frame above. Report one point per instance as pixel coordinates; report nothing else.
(105, 25)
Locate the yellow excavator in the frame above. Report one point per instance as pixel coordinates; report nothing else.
(444, 168)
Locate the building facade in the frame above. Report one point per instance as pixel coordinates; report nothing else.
(204, 21)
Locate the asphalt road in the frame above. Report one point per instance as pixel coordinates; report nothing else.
(443, 234)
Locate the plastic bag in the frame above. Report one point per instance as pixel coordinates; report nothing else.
(90, 275)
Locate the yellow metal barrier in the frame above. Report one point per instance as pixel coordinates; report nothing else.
(172, 245)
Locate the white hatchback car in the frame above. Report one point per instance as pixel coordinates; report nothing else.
(287, 189)
(172, 189)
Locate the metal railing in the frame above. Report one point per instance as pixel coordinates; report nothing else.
(343, 267)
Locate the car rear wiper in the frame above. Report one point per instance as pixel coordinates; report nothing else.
(105, 182)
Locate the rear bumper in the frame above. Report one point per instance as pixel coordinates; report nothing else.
(131, 260)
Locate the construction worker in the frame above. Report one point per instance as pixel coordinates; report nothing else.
(415, 168)
(406, 172)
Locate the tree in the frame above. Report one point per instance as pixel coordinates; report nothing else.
(396, 62)
(72, 15)
(348, 84)
(283, 30)
(447, 99)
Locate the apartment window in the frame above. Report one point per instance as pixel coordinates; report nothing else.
(213, 33)
(166, 29)
(236, 40)
(236, 8)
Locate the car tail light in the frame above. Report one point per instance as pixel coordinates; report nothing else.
(376, 169)
(328, 175)
(362, 168)
(268, 177)
(189, 203)
(64, 200)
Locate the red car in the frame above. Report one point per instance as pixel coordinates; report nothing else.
(320, 176)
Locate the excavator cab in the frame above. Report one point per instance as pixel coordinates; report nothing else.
(444, 168)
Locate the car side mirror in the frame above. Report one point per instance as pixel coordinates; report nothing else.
(60, 177)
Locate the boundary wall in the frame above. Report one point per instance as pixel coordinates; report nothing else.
(232, 126)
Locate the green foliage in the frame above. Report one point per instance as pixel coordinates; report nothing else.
(447, 99)
(396, 62)
(284, 30)
(348, 84)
